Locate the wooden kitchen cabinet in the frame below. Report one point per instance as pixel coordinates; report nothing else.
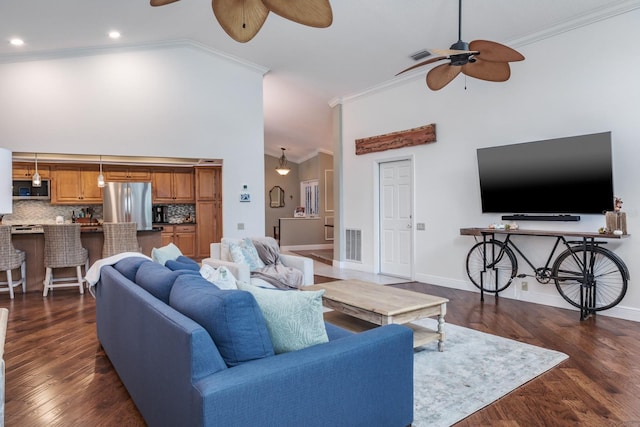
(173, 186)
(208, 208)
(24, 171)
(126, 174)
(75, 185)
(181, 235)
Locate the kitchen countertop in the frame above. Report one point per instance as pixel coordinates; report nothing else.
(37, 229)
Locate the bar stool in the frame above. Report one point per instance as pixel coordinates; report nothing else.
(10, 259)
(62, 249)
(119, 237)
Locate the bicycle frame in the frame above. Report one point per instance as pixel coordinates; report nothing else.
(508, 242)
(545, 274)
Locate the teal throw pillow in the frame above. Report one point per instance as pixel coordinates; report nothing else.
(294, 318)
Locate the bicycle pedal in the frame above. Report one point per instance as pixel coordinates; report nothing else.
(521, 276)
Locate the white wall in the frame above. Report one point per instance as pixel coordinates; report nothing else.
(175, 101)
(579, 82)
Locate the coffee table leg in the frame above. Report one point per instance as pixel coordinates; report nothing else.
(441, 332)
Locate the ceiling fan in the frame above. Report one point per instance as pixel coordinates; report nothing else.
(482, 59)
(242, 19)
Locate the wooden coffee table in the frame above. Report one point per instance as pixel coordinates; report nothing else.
(360, 305)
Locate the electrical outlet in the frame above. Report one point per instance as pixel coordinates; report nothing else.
(525, 286)
(241, 226)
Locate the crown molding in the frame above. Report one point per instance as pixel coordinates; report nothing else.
(106, 50)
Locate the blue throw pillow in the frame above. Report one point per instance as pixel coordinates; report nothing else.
(232, 318)
(187, 260)
(177, 265)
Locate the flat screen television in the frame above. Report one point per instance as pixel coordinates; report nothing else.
(560, 176)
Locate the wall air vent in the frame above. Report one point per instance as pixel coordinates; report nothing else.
(417, 56)
(353, 245)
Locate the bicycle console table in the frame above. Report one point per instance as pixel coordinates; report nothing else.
(586, 275)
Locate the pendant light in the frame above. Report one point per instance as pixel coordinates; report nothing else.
(282, 168)
(35, 179)
(100, 177)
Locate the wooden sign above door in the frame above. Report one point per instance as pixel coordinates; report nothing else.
(404, 138)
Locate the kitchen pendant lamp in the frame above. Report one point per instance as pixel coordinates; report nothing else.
(35, 179)
(100, 177)
(282, 168)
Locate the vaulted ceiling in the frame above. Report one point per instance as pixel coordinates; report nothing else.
(309, 68)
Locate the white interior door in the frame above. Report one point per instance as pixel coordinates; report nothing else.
(396, 223)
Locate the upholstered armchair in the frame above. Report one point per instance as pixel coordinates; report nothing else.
(221, 256)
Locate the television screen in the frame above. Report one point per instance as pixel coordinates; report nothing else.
(558, 176)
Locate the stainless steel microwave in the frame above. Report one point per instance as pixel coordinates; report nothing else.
(24, 190)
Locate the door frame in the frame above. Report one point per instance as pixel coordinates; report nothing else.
(376, 216)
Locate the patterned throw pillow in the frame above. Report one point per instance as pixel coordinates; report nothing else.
(245, 253)
(221, 276)
(294, 318)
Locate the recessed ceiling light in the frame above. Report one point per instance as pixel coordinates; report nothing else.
(16, 42)
(114, 34)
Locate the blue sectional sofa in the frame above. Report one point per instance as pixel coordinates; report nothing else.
(178, 375)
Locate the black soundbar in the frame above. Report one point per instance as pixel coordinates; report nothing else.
(519, 217)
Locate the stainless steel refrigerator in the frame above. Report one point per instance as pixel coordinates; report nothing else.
(128, 202)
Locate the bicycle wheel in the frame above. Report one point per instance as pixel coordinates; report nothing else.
(602, 287)
(491, 264)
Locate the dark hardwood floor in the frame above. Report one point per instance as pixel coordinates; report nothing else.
(599, 385)
(57, 374)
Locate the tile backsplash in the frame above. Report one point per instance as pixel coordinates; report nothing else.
(43, 212)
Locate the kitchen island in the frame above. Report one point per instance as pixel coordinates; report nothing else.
(31, 240)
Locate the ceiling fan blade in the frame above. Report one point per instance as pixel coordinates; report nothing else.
(495, 52)
(162, 2)
(314, 13)
(486, 70)
(441, 75)
(240, 19)
(428, 61)
(449, 52)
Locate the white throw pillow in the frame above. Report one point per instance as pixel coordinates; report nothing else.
(165, 253)
(221, 276)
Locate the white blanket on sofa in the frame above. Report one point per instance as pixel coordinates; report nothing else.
(93, 274)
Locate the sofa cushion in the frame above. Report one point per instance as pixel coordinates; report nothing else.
(294, 318)
(165, 253)
(245, 253)
(128, 267)
(232, 318)
(157, 279)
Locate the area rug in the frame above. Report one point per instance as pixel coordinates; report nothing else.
(474, 370)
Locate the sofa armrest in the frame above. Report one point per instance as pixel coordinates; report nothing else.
(358, 380)
(303, 264)
(240, 271)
